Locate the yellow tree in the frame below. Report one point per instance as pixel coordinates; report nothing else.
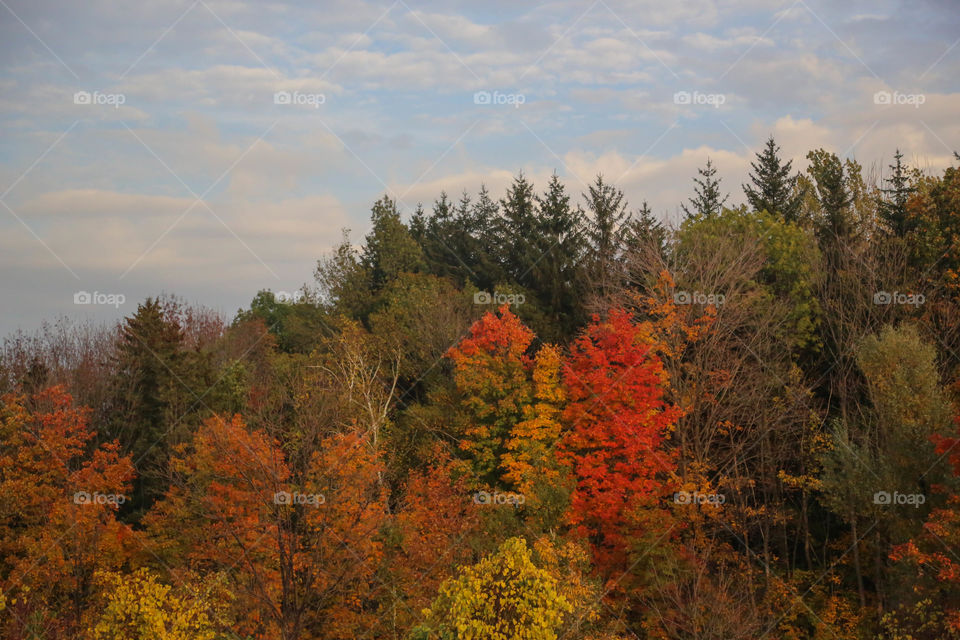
(503, 597)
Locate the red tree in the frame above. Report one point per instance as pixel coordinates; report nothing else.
(617, 421)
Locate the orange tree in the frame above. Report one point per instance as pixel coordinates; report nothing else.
(299, 553)
(58, 502)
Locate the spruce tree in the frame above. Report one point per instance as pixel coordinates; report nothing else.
(390, 248)
(773, 188)
(518, 232)
(644, 228)
(892, 209)
(835, 223)
(560, 245)
(708, 201)
(606, 231)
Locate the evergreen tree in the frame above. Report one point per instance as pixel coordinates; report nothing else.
(606, 231)
(148, 380)
(479, 223)
(708, 201)
(893, 208)
(834, 196)
(518, 232)
(644, 227)
(390, 248)
(773, 188)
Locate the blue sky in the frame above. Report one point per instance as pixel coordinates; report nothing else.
(183, 174)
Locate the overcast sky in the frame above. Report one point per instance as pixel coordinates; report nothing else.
(212, 148)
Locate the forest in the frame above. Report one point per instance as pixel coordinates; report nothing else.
(543, 414)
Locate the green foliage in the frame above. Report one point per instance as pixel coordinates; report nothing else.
(773, 189)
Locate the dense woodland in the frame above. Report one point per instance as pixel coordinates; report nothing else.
(536, 415)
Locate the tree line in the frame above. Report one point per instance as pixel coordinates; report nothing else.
(548, 415)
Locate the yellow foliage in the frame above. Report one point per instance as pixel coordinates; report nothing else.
(139, 607)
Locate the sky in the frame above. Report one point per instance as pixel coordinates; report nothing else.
(213, 148)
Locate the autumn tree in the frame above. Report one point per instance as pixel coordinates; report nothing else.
(58, 505)
(298, 552)
(618, 421)
(505, 596)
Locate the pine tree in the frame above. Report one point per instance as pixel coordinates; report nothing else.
(834, 196)
(893, 209)
(518, 229)
(484, 228)
(708, 201)
(390, 248)
(560, 246)
(773, 188)
(643, 228)
(606, 231)
(148, 383)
